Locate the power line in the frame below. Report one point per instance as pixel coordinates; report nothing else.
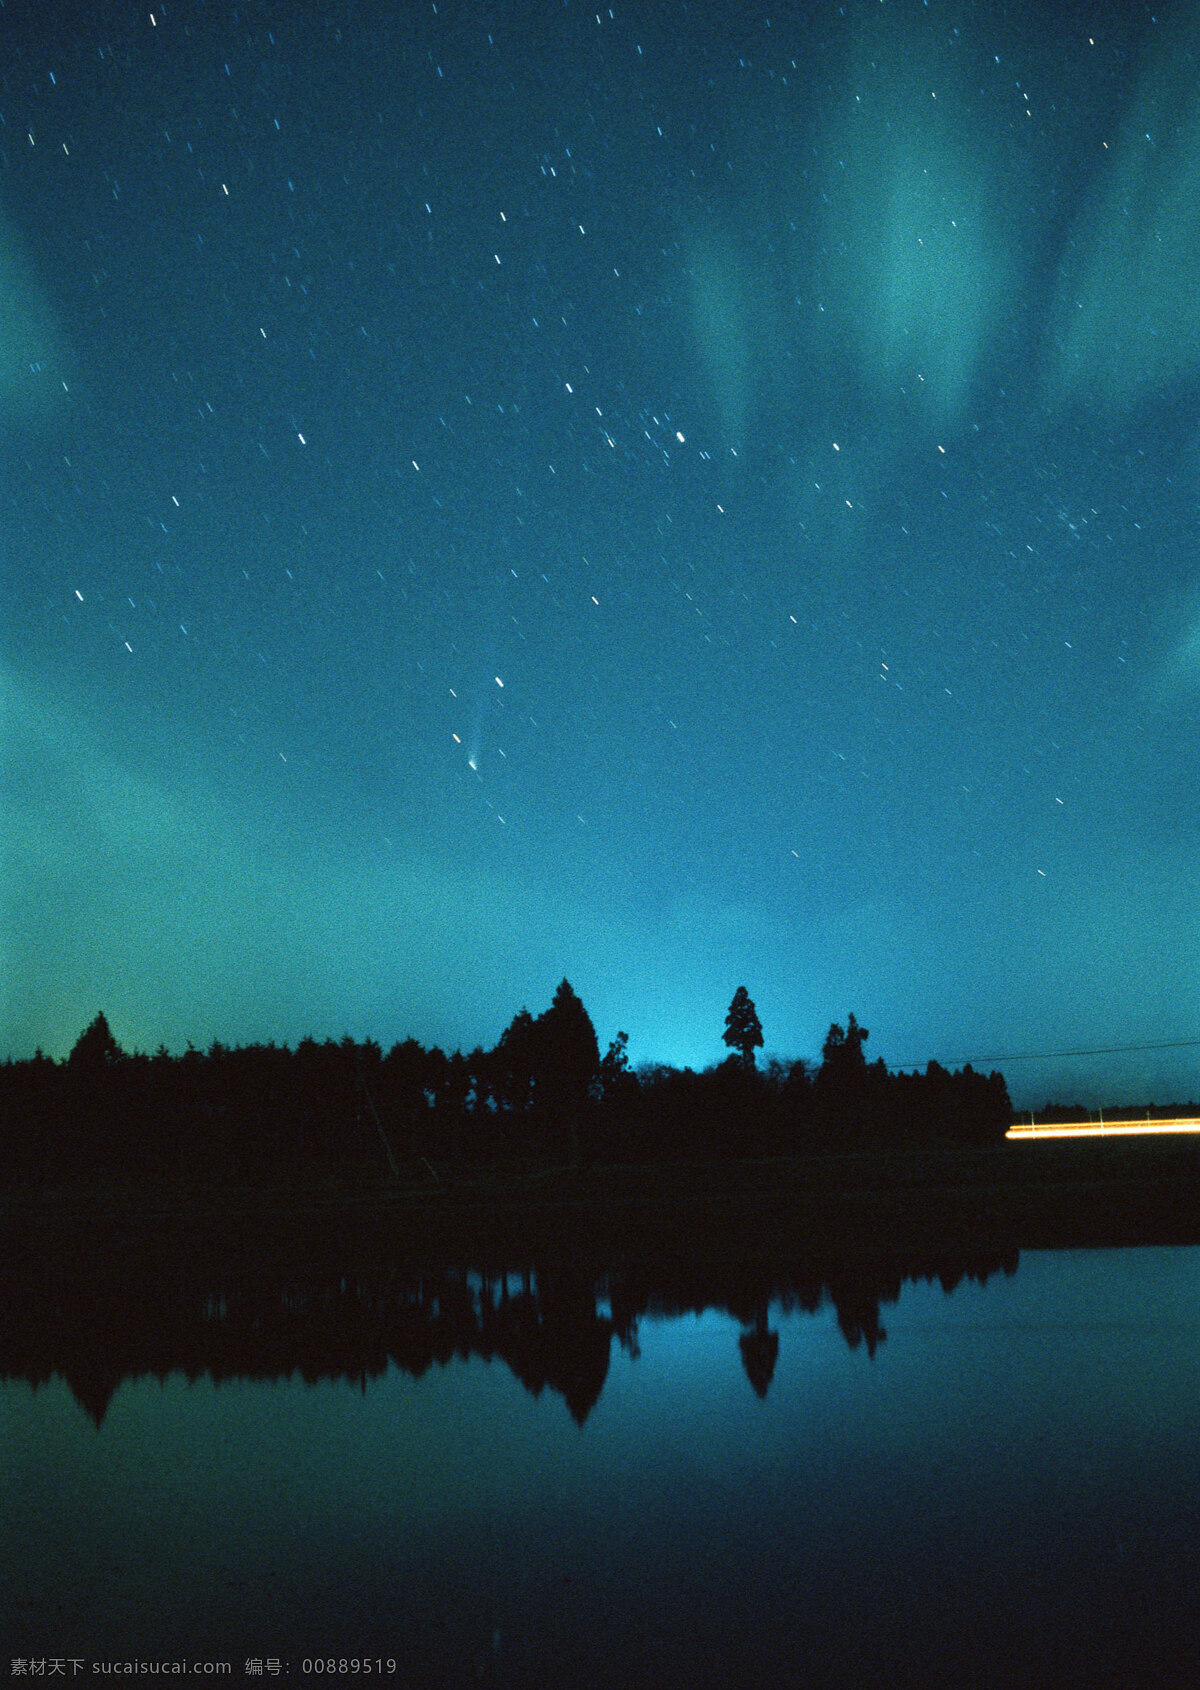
(1051, 1055)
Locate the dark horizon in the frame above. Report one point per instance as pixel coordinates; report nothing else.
(265, 1112)
(1073, 1096)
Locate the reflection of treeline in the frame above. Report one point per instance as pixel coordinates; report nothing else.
(543, 1090)
(110, 1316)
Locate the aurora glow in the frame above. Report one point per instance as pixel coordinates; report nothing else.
(795, 407)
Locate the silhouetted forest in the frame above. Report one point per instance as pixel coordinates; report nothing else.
(544, 1091)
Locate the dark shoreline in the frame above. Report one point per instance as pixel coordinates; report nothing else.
(1024, 1196)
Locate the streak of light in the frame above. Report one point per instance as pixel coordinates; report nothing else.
(1101, 1129)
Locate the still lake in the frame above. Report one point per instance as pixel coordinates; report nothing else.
(980, 1474)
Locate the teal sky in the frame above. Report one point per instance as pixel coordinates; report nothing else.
(672, 496)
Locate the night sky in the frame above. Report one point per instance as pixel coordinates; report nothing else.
(677, 496)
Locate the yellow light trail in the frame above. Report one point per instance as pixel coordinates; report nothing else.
(1101, 1129)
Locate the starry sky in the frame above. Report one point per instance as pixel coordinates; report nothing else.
(674, 495)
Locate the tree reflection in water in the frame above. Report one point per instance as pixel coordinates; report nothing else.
(99, 1318)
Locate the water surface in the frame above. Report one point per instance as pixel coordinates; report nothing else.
(573, 1479)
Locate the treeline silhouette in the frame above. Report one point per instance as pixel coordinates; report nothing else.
(544, 1090)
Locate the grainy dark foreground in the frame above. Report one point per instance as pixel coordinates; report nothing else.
(1044, 1196)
